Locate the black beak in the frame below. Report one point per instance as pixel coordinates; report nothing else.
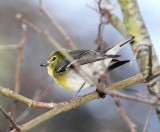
(44, 64)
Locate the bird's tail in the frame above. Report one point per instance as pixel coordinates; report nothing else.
(117, 47)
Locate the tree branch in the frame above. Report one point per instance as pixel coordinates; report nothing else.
(140, 78)
(31, 103)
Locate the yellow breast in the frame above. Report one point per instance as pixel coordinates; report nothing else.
(59, 78)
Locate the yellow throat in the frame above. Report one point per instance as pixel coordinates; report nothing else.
(59, 78)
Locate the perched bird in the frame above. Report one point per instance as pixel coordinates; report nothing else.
(93, 62)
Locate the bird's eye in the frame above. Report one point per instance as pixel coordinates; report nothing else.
(53, 58)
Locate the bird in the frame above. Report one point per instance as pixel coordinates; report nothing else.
(93, 63)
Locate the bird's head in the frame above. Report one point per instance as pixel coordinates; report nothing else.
(54, 60)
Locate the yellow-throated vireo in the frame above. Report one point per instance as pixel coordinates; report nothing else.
(93, 62)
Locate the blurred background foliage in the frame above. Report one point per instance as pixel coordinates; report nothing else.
(81, 23)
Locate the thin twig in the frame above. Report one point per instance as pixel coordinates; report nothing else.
(104, 12)
(105, 17)
(130, 124)
(57, 25)
(8, 116)
(115, 20)
(19, 60)
(139, 93)
(18, 68)
(10, 46)
(153, 101)
(93, 8)
(147, 120)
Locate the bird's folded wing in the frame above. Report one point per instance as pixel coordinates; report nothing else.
(82, 57)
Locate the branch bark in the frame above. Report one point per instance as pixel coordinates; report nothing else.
(31, 103)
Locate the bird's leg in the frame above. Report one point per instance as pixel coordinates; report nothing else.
(101, 94)
(75, 96)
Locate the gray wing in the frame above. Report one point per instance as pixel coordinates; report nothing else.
(83, 57)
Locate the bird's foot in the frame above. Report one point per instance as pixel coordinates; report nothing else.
(101, 94)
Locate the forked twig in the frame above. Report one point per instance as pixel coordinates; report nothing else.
(8, 116)
(130, 124)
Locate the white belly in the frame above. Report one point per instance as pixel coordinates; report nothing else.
(94, 70)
